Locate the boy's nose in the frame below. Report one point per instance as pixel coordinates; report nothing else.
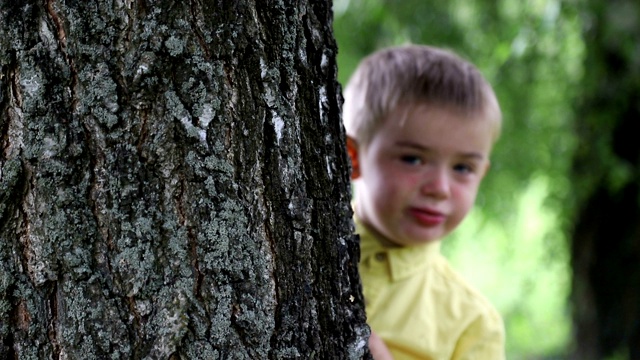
(436, 184)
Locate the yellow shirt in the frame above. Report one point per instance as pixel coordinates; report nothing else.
(421, 308)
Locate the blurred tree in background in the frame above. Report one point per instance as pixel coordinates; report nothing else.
(567, 76)
(605, 239)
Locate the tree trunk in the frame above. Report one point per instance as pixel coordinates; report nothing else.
(173, 183)
(606, 177)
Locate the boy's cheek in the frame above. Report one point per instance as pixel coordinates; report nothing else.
(401, 181)
(467, 194)
(411, 182)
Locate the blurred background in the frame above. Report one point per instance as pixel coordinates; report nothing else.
(554, 240)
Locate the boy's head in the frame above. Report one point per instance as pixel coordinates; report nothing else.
(414, 74)
(420, 123)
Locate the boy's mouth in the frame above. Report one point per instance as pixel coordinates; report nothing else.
(427, 217)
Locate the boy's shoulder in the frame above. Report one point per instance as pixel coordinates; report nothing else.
(460, 289)
(420, 271)
(449, 316)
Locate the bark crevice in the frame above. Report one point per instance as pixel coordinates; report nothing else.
(53, 321)
(61, 36)
(196, 29)
(13, 102)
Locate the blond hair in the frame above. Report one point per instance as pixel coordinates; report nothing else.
(414, 74)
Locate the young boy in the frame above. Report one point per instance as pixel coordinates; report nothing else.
(420, 123)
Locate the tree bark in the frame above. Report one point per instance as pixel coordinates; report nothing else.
(606, 178)
(173, 183)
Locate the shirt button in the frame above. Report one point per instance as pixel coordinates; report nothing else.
(381, 256)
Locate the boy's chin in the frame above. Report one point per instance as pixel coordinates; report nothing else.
(417, 241)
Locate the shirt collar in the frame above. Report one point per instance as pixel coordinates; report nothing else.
(403, 261)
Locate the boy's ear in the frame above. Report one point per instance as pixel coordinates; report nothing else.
(352, 149)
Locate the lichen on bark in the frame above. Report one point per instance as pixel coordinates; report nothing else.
(174, 183)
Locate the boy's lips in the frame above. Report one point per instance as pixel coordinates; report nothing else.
(426, 216)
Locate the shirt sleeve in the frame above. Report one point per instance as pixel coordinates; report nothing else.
(483, 339)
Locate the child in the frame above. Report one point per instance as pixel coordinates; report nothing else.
(420, 124)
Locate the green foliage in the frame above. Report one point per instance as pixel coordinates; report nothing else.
(512, 246)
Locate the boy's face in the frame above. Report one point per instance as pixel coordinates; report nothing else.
(417, 178)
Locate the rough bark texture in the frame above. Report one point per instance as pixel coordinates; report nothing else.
(173, 183)
(606, 236)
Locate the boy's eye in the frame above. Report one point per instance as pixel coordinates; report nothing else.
(463, 168)
(411, 159)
